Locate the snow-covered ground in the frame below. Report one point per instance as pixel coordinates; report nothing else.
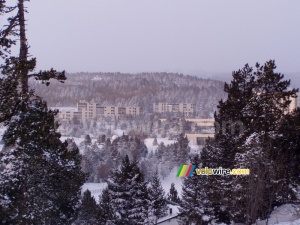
(171, 178)
(284, 215)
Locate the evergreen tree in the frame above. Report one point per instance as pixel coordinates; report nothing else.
(255, 106)
(41, 177)
(128, 194)
(173, 194)
(288, 156)
(105, 211)
(157, 197)
(87, 140)
(195, 208)
(88, 210)
(183, 149)
(101, 139)
(155, 142)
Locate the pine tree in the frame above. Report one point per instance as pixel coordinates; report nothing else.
(195, 207)
(173, 194)
(105, 212)
(41, 178)
(88, 210)
(183, 149)
(157, 197)
(255, 106)
(87, 140)
(155, 142)
(128, 193)
(287, 158)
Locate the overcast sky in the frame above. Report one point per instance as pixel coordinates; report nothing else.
(192, 36)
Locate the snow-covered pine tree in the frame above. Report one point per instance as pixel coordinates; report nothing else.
(87, 140)
(289, 157)
(157, 197)
(195, 207)
(41, 178)
(256, 101)
(173, 194)
(88, 210)
(128, 194)
(155, 143)
(105, 212)
(211, 157)
(183, 149)
(266, 109)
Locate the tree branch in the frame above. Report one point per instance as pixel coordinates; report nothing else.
(45, 76)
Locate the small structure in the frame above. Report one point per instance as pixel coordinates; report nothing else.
(173, 214)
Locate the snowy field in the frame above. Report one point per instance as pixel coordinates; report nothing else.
(171, 178)
(284, 215)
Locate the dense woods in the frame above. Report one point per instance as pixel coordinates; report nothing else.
(134, 90)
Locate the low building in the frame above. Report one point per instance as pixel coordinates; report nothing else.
(172, 216)
(67, 113)
(202, 122)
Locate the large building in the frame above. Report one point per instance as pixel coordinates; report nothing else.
(86, 111)
(206, 131)
(186, 109)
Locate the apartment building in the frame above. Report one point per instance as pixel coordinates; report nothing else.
(185, 108)
(68, 114)
(86, 111)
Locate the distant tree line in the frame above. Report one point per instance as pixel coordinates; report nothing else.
(134, 90)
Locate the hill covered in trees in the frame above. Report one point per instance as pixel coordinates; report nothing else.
(134, 90)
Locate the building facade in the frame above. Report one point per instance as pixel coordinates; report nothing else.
(87, 111)
(186, 109)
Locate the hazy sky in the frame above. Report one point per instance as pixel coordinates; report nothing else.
(191, 36)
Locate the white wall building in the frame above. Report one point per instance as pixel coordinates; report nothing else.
(87, 111)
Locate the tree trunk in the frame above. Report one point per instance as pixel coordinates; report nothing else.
(23, 49)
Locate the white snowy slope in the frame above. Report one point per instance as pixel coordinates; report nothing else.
(287, 214)
(171, 178)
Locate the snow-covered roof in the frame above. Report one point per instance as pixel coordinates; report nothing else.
(175, 213)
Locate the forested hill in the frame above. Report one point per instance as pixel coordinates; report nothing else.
(133, 90)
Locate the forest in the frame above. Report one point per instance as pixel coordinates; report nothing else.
(133, 90)
(42, 173)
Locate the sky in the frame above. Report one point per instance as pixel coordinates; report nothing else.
(197, 37)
